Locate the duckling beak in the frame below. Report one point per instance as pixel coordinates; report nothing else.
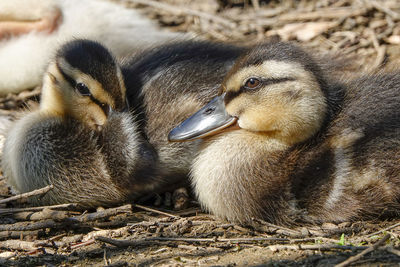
(209, 120)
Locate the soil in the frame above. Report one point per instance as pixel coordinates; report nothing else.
(156, 235)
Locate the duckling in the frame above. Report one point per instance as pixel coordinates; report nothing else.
(82, 139)
(93, 152)
(33, 30)
(285, 144)
(167, 83)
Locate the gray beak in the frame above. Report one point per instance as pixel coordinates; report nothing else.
(207, 121)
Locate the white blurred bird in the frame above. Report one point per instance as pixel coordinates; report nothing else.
(31, 30)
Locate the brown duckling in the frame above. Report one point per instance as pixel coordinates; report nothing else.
(284, 143)
(166, 84)
(82, 140)
(85, 144)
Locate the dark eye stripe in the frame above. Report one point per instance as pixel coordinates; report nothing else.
(103, 106)
(232, 94)
(72, 82)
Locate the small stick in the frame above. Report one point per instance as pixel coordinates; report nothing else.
(152, 240)
(5, 235)
(366, 251)
(123, 243)
(28, 194)
(253, 239)
(192, 248)
(284, 230)
(57, 237)
(56, 215)
(313, 239)
(384, 230)
(276, 226)
(102, 214)
(155, 211)
(60, 206)
(314, 247)
(188, 212)
(31, 226)
(50, 223)
(109, 232)
(18, 245)
(82, 244)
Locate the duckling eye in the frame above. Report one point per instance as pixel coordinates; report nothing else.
(252, 83)
(83, 89)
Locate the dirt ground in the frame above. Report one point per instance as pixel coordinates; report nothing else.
(192, 238)
(155, 235)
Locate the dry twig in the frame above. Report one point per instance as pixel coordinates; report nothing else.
(18, 245)
(103, 214)
(16, 210)
(384, 230)
(155, 211)
(152, 240)
(28, 194)
(314, 247)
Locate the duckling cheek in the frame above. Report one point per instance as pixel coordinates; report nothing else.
(257, 121)
(256, 112)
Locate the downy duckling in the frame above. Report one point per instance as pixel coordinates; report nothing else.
(82, 139)
(285, 144)
(166, 84)
(92, 153)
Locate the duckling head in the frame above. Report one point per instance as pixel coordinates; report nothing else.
(85, 82)
(275, 90)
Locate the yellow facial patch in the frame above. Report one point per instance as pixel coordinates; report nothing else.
(293, 107)
(60, 97)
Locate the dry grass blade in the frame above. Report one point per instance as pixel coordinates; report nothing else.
(178, 10)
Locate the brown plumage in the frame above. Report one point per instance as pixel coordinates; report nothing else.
(85, 142)
(293, 145)
(82, 140)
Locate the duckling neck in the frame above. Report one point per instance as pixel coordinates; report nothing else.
(238, 174)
